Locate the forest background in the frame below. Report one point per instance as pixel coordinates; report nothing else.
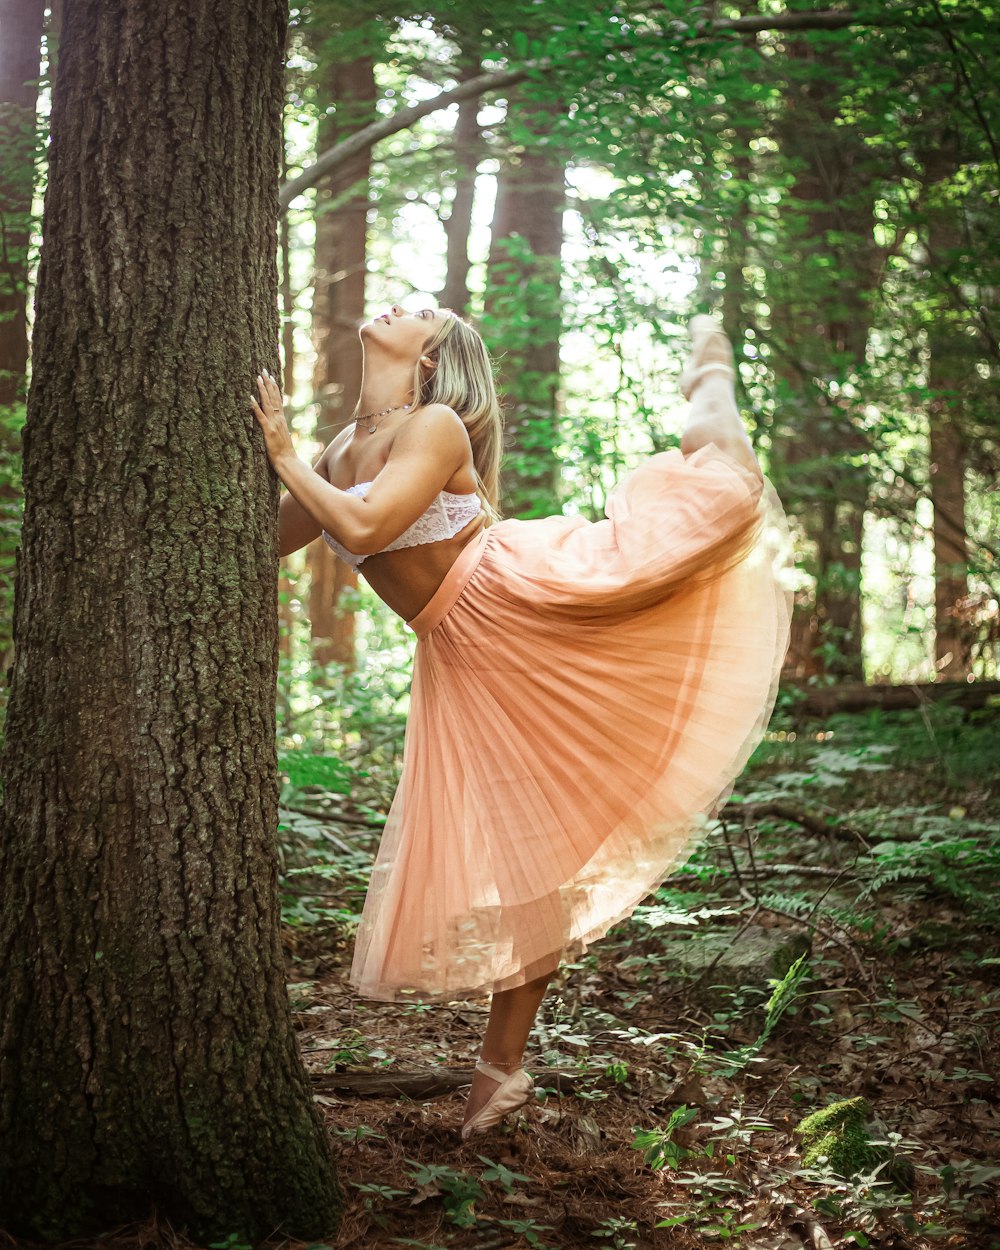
(579, 180)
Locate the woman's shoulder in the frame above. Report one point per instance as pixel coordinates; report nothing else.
(436, 417)
(437, 434)
(328, 457)
(436, 423)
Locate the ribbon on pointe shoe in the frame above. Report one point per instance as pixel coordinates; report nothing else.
(702, 328)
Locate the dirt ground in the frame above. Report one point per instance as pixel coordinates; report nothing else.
(581, 1182)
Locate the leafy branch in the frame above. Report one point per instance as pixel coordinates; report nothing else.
(679, 35)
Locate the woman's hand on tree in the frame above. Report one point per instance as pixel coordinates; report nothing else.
(271, 419)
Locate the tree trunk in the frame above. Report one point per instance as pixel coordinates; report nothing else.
(952, 641)
(523, 318)
(951, 366)
(286, 588)
(146, 1043)
(467, 142)
(338, 310)
(819, 297)
(20, 66)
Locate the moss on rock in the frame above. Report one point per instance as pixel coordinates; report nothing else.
(839, 1133)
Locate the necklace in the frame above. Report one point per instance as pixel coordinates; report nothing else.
(374, 416)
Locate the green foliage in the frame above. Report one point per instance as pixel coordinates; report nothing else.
(658, 1145)
(502, 1175)
(964, 869)
(784, 992)
(459, 1191)
(326, 773)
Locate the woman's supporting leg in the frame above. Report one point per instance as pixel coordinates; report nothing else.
(714, 416)
(512, 1013)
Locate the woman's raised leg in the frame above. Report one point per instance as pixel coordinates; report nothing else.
(707, 382)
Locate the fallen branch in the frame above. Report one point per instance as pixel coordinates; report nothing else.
(802, 870)
(332, 817)
(858, 696)
(794, 815)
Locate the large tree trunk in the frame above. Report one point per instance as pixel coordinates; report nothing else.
(286, 589)
(523, 317)
(338, 309)
(146, 1043)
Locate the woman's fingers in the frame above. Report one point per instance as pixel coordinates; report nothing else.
(269, 389)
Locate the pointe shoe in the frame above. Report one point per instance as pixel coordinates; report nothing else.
(707, 334)
(514, 1090)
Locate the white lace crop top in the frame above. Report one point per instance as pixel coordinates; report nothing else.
(447, 514)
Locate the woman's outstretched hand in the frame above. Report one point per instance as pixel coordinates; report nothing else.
(271, 419)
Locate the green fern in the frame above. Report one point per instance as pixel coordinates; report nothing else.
(963, 869)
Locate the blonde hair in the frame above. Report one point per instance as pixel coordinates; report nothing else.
(464, 381)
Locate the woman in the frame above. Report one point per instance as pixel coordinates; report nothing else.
(584, 694)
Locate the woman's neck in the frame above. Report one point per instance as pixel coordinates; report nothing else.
(385, 386)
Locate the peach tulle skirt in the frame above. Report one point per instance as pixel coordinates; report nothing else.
(584, 696)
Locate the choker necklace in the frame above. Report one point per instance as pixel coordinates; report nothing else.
(374, 416)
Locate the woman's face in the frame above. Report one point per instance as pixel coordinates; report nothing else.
(402, 334)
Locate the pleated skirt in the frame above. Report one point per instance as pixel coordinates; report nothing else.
(584, 696)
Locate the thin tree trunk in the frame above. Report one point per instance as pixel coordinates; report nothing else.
(951, 369)
(20, 66)
(467, 143)
(338, 309)
(952, 641)
(523, 320)
(146, 1043)
(819, 301)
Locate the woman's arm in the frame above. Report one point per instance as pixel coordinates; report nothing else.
(296, 528)
(425, 454)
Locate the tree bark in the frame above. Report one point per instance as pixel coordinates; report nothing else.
(338, 310)
(952, 366)
(819, 297)
(286, 589)
(146, 1043)
(20, 66)
(952, 640)
(523, 316)
(467, 142)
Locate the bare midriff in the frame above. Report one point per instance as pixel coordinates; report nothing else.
(408, 579)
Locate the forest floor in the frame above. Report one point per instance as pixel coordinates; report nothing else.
(669, 1099)
(873, 841)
